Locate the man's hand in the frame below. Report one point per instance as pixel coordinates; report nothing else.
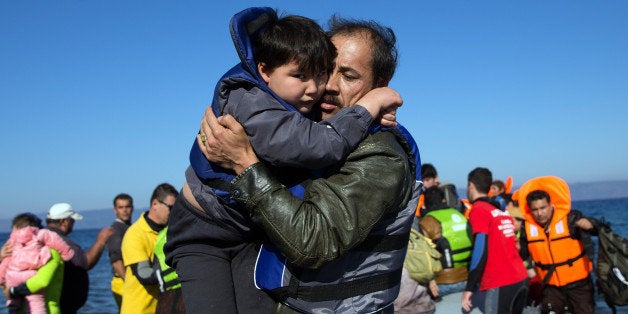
(433, 288)
(7, 295)
(224, 141)
(95, 251)
(466, 300)
(6, 250)
(382, 102)
(104, 234)
(584, 224)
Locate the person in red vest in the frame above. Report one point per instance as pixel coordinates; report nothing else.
(497, 276)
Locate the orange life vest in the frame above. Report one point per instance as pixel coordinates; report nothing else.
(419, 205)
(556, 252)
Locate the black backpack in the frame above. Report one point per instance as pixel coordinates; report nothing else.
(612, 267)
(451, 196)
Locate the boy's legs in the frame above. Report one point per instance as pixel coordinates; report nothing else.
(206, 283)
(249, 299)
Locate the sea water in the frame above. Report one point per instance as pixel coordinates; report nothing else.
(100, 299)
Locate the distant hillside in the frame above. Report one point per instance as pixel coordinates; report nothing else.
(579, 192)
(583, 191)
(599, 190)
(92, 219)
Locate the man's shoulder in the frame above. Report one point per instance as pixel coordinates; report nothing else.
(139, 226)
(119, 227)
(383, 139)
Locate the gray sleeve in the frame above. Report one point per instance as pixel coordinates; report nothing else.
(287, 138)
(145, 273)
(114, 246)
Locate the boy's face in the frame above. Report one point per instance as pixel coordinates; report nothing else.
(294, 86)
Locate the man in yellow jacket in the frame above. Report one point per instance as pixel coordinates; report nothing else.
(141, 288)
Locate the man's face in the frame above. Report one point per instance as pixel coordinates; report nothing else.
(67, 225)
(542, 211)
(123, 209)
(352, 76)
(162, 209)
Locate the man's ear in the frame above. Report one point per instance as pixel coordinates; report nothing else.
(263, 71)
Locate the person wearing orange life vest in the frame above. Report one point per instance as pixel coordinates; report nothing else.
(429, 176)
(555, 240)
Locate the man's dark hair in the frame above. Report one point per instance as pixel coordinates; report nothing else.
(428, 171)
(482, 179)
(124, 197)
(384, 49)
(26, 219)
(537, 195)
(295, 38)
(162, 191)
(433, 198)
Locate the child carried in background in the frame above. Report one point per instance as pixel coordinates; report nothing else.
(31, 250)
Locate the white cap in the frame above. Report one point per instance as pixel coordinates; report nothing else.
(62, 211)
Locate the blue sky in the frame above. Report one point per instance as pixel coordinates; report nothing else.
(102, 97)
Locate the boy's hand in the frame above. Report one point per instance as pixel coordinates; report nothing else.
(381, 100)
(388, 117)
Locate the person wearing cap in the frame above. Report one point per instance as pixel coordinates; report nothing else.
(141, 282)
(60, 219)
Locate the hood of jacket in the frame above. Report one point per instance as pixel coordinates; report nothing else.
(556, 187)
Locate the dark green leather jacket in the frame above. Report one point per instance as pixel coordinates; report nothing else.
(339, 210)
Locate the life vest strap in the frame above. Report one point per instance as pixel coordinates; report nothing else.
(170, 284)
(338, 291)
(552, 267)
(462, 250)
(167, 272)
